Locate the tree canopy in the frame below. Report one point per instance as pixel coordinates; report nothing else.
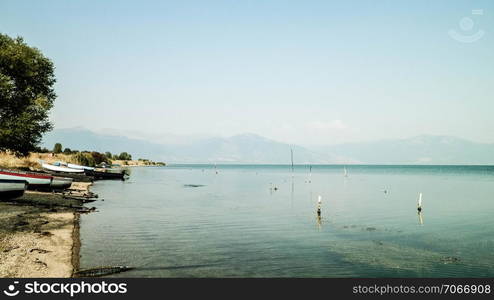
(26, 95)
(125, 156)
(57, 148)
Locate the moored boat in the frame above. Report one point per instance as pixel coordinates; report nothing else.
(12, 188)
(104, 175)
(34, 180)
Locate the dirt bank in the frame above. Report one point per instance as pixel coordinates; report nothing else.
(38, 236)
(35, 242)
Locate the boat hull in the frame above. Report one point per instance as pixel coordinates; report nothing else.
(79, 177)
(105, 175)
(79, 167)
(53, 168)
(10, 188)
(61, 183)
(34, 181)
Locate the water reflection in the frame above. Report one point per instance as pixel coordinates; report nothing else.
(291, 193)
(319, 222)
(421, 220)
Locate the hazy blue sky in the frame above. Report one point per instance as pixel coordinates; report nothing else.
(308, 72)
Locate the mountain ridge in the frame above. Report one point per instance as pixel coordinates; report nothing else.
(252, 148)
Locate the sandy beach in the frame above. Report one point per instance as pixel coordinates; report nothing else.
(39, 240)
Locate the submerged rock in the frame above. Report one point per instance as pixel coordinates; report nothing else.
(102, 271)
(193, 185)
(450, 259)
(386, 255)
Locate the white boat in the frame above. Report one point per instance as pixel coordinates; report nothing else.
(79, 167)
(59, 169)
(12, 188)
(34, 180)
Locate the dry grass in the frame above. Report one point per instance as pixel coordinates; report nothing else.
(10, 161)
(128, 162)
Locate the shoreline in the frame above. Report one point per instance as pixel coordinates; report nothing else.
(76, 244)
(40, 235)
(31, 161)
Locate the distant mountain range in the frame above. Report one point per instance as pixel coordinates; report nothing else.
(255, 149)
(244, 148)
(424, 149)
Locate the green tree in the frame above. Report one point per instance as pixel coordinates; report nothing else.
(26, 95)
(125, 156)
(57, 148)
(108, 154)
(99, 157)
(67, 151)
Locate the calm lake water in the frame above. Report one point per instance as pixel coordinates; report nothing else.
(236, 225)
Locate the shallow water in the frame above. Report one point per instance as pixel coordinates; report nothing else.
(188, 221)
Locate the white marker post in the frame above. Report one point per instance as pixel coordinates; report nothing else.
(419, 204)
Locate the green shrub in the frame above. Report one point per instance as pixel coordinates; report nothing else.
(85, 159)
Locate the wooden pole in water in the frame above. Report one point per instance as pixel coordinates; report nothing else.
(291, 151)
(319, 202)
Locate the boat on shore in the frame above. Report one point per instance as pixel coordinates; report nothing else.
(34, 180)
(61, 183)
(61, 169)
(12, 188)
(79, 167)
(79, 177)
(82, 173)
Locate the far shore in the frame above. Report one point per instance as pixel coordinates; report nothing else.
(31, 161)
